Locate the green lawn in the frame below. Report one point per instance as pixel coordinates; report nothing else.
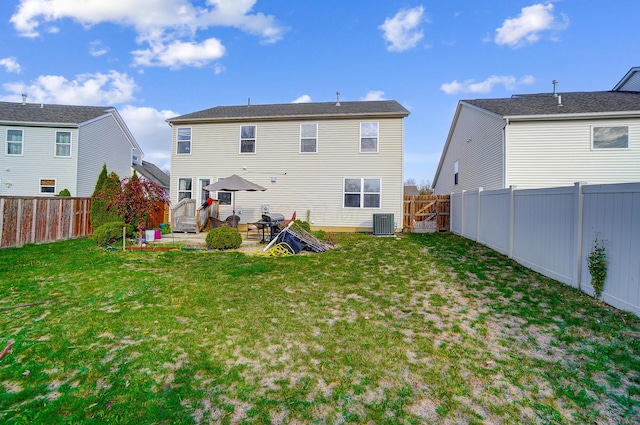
(416, 329)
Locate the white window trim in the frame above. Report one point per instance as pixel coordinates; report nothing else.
(255, 140)
(199, 199)
(377, 137)
(178, 190)
(307, 138)
(362, 193)
(7, 141)
(178, 141)
(40, 186)
(223, 191)
(55, 148)
(593, 148)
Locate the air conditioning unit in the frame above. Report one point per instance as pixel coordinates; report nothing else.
(383, 225)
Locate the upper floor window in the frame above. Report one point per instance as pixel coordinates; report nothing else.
(308, 138)
(368, 137)
(248, 139)
(184, 189)
(455, 172)
(610, 137)
(14, 142)
(47, 186)
(184, 140)
(362, 193)
(63, 143)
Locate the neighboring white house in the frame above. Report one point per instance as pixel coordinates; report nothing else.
(335, 164)
(544, 140)
(48, 148)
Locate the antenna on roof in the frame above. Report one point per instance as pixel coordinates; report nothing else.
(24, 98)
(555, 84)
(337, 98)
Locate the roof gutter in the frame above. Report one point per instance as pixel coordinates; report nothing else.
(581, 116)
(40, 124)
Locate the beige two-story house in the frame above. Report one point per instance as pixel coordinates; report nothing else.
(335, 164)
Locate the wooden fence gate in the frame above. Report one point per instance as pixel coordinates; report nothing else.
(426, 213)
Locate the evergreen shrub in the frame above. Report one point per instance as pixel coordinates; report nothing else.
(224, 238)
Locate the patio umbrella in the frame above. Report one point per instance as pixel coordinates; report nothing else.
(234, 183)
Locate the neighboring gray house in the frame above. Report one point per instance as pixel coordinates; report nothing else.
(48, 148)
(334, 164)
(544, 140)
(151, 172)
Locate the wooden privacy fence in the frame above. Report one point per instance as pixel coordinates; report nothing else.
(40, 220)
(426, 213)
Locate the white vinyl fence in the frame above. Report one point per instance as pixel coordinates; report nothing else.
(552, 232)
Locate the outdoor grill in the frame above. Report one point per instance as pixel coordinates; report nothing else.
(273, 221)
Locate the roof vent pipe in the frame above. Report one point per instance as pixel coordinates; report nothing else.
(24, 98)
(248, 101)
(337, 98)
(555, 84)
(559, 100)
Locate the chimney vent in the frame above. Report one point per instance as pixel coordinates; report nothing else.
(337, 98)
(24, 98)
(559, 100)
(248, 101)
(555, 84)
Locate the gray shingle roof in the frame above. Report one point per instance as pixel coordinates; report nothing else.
(35, 113)
(297, 110)
(153, 173)
(572, 103)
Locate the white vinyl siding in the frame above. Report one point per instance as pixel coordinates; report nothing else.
(99, 142)
(37, 162)
(476, 144)
(559, 153)
(295, 182)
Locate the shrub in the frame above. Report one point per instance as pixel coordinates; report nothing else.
(597, 261)
(109, 233)
(303, 224)
(64, 192)
(165, 229)
(107, 189)
(224, 238)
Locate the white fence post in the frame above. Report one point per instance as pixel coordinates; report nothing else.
(579, 208)
(478, 214)
(512, 219)
(462, 212)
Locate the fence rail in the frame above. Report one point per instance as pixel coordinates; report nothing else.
(552, 232)
(40, 220)
(426, 213)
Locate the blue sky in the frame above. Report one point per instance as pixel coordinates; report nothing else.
(155, 59)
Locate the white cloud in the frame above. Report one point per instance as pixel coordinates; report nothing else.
(86, 89)
(164, 24)
(11, 64)
(305, 98)
(529, 25)
(178, 54)
(374, 95)
(218, 69)
(151, 131)
(471, 86)
(402, 32)
(96, 48)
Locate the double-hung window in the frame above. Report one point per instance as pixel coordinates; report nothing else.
(184, 189)
(184, 141)
(369, 137)
(248, 139)
(455, 172)
(14, 142)
(308, 138)
(610, 137)
(224, 197)
(63, 144)
(362, 193)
